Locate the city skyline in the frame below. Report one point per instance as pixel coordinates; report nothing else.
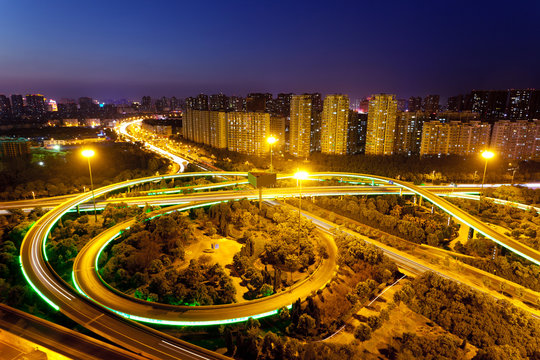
(279, 47)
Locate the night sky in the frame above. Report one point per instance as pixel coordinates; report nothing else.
(126, 49)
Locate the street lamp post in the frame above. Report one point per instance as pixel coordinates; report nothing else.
(271, 140)
(299, 176)
(486, 155)
(88, 153)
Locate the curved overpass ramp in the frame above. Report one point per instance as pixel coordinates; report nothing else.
(147, 341)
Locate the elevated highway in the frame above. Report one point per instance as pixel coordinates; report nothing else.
(149, 342)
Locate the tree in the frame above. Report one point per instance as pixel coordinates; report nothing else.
(306, 324)
(266, 290)
(362, 332)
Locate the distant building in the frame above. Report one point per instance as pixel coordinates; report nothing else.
(302, 115)
(490, 105)
(146, 103)
(277, 129)
(236, 103)
(381, 125)
(218, 102)
(463, 116)
(157, 127)
(86, 105)
(5, 106)
(174, 104)
(415, 104)
(454, 138)
(70, 122)
(36, 104)
(247, 132)
(402, 105)
(282, 104)
(519, 104)
(364, 106)
(17, 105)
(455, 103)
(408, 136)
(52, 106)
(431, 104)
(519, 140)
(201, 102)
(92, 122)
(258, 102)
(13, 148)
(335, 120)
(356, 132)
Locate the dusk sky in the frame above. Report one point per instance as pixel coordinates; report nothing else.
(126, 49)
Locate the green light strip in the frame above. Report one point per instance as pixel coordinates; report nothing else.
(195, 323)
(77, 285)
(47, 300)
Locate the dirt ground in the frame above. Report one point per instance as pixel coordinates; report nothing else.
(402, 320)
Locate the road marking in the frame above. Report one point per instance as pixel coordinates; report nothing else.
(94, 319)
(181, 349)
(385, 290)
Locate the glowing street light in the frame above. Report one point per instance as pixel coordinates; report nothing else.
(271, 140)
(486, 155)
(88, 153)
(299, 176)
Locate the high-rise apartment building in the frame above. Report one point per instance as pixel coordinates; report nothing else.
(247, 132)
(381, 125)
(217, 128)
(282, 104)
(364, 105)
(174, 103)
(206, 127)
(258, 102)
(454, 138)
(489, 104)
(302, 115)
(415, 103)
(146, 103)
(409, 132)
(356, 132)
(36, 104)
(5, 106)
(86, 105)
(519, 104)
(17, 105)
(201, 102)
(218, 102)
(236, 103)
(335, 119)
(455, 103)
(519, 140)
(277, 129)
(402, 104)
(431, 104)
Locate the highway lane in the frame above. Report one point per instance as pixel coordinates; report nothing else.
(49, 203)
(59, 339)
(501, 239)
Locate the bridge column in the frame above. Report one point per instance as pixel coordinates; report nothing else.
(471, 233)
(449, 218)
(400, 191)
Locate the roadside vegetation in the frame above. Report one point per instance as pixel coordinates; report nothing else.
(175, 259)
(60, 172)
